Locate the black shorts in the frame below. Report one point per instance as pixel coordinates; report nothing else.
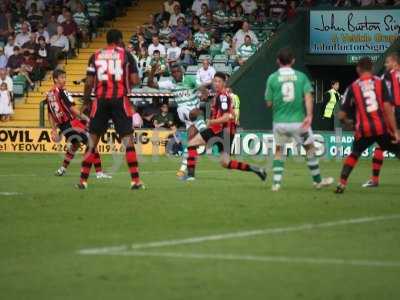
(73, 133)
(223, 140)
(384, 141)
(118, 110)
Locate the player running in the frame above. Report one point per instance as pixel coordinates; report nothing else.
(63, 115)
(221, 131)
(391, 92)
(110, 73)
(375, 120)
(287, 92)
(185, 90)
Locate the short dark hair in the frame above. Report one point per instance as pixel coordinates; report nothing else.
(220, 75)
(285, 56)
(114, 36)
(333, 82)
(365, 64)
(57, 73)
(156, 52)
(175, 66)
(41, 38)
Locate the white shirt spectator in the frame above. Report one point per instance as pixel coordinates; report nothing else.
(159, 47)
(39, 4)
(196, 7)
(60, 41)
(22, 38)
(249, 6)
(60, 19)
(9, 50)
(239, 36)
(205, 77)
(173, 20)
(9, 83)
(173, 53)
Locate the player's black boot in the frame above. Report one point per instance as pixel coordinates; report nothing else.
(81, 186)
(339, 189)
(137, 186)
(260, 172)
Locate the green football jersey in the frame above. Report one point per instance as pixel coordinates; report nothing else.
(286, 89)
(185, 92)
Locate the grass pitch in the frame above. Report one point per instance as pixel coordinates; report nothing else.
(44, 223)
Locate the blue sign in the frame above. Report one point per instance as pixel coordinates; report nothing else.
(353, 31)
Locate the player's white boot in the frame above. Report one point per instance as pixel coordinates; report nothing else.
(101, 175)
(61, 171)
(325, 182)
(276, 187)
(370, 184)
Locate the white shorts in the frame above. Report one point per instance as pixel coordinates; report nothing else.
(184, 116)
(285, 133)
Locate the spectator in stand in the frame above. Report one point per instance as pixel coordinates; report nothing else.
(173, 52)
(164, 119)
(156, 45)
(52, 26)
(42, 32)
(177, 14)
(59, 46)
(62, 17)
(188, 54)
(169, 6)
(15, 66)
(292, 11)
(6, 107)
(158, 64)
(70, 31)
(227, 45)
(24, 36)
(9, 47)
(35, 16)
(202, 41)
(132, 51)
(18, 25)
(181, 32)
(94, 11)
(6, 24)
(3, 58)
(195, 25)
(205, 74)
(39, 4)
(137, 121)
(29, 65)
(151, 26)
(246, 50)
(72, 5)
(18, 9)
(82, 22)
(277, 9)
(237, 17)
(220, 14)
(4, 77)
(165, 32)
(42, 55)
(196, 6)
(211, 26)
(238, 38)
(249, 6)
(203, 15)
(30, 45)
(162, 16)
(143, 62)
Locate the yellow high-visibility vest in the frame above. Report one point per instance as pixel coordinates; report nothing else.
(334, 96)
(236, 106)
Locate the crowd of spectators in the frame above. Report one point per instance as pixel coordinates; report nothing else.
(36, 34)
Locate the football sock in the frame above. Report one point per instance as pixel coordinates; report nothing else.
(86, 165)
(241, 166)
(131, 160)
(70, 155)
(313, 165)
(348, 166)
(184, 162)
(377, 162)
(277, 169)
(191, 161)
(97, 162)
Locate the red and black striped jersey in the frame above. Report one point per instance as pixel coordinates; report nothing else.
(112, 68)
(59, 104)
(221, 105)
(391, 87)
(364, 99)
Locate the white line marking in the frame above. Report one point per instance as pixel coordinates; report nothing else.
(273, 259)
(10, 194)
(236, 235)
